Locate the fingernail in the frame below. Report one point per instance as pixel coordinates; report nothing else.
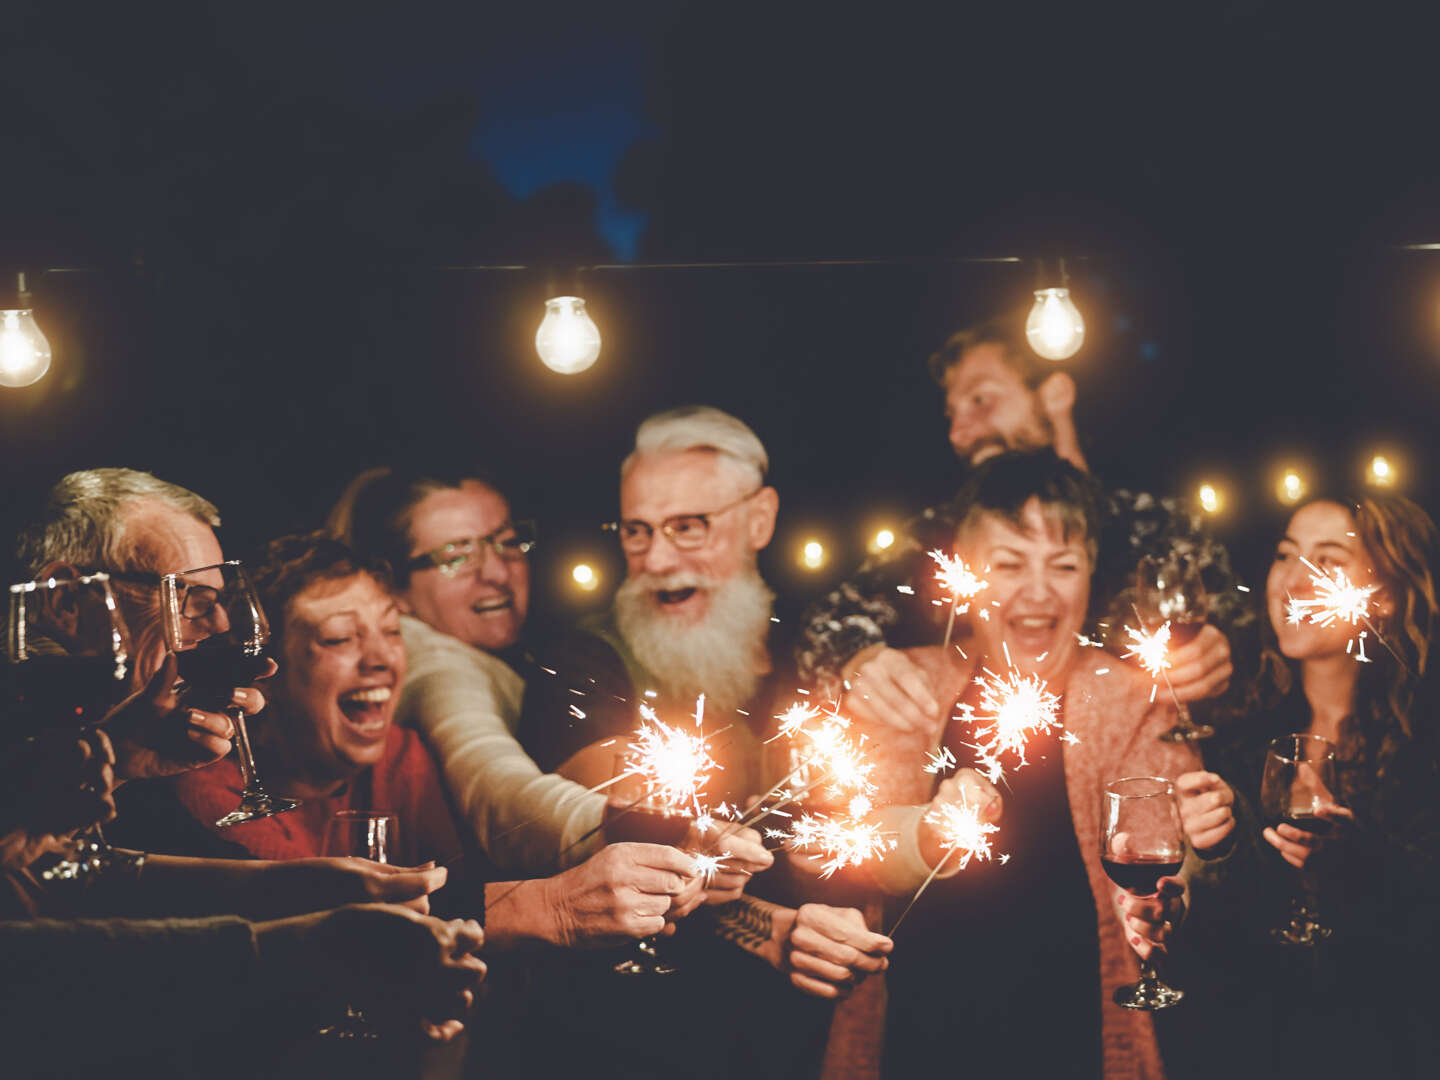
(1134, 941)
(238, 696)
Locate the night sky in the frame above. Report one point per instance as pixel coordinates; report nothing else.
(264, 205)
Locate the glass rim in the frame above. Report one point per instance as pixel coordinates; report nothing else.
(1168, 787)
(54, 582)
(1271, 747)
(178, 574)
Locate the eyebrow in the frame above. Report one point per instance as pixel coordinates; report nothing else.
(1321, 544)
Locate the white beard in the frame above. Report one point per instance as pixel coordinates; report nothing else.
(719, 656)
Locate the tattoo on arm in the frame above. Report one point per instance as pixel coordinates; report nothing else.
(745, 922)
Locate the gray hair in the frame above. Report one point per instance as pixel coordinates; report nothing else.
(702, 427)
(83, 521)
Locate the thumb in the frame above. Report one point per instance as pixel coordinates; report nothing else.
(1170, 887)
(163, 680)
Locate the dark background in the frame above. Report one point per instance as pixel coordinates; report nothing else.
(261, 203)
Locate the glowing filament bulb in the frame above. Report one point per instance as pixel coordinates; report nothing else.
(585, 577)
(24, 352)
(1055, 329)
(812, 556)
(568, 339)
(884, 539)
(1209, 498)
(1382, 473)
(1292, 487)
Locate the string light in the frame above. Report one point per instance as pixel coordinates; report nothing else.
(1291, 488)
(1209, 499)
(1055, 329)
(568, 340)
(884, 539)
(1381, 472)
(24, 352)
(585, 576)
(812, 555)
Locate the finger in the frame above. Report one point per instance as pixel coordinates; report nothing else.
(407, 884)
(915, 686)
(248, 699)
(652, 882)
(659, 857)
(815, 987)
(1294, 854)
(271, 667)
(822, 947)
(1197, 783)
(646, 925)
(442, 1033)
(891, 704)
(210, 723)
(1215, 820)
(1170, 887)
(1303, 837)
(103, 748)
(819, 968)
(1332, 812)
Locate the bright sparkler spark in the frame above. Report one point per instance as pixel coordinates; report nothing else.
(1336, 598)
(707, 866)
(794, 719)
(842, 843)
(674, 764)
(1011, 709)
(962, 832)
(939, 762)
(1152, 650)
(957, 579)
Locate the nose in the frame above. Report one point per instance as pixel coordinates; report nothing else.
(1036, 585)
(492, 570)
(378, 653)
(662, 557)
(217, 621)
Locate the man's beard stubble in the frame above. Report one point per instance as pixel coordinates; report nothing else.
(720, 656)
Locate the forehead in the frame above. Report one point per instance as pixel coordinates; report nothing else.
(982, 363)
(166, 540)
(1042, 536)
(1322, 522)
(658, 486)
(319, 600)
(473, 509)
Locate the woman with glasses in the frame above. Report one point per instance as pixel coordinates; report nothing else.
(1339, 1000)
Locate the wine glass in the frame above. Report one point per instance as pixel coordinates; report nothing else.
(1141, 841)
(635, 813)
(366, 834)
(1296, 789)
(69, 663)
(217, 630)
(1169, 588)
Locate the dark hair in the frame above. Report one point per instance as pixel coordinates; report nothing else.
(289, 565)
(374, 512)
(1005, 484)
(1007, 332)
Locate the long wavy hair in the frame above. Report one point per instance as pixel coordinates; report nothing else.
(1403, 544)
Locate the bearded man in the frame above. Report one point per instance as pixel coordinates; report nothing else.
(692, 616)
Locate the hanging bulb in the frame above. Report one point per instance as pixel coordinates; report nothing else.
(24, 352)
(1055, 329)
(568, 339)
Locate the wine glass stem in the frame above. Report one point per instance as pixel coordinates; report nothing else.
(246, 755)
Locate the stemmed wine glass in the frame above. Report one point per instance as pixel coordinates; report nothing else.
(217, 630)
(69, 664)
(1296, 789)
(635, 813)
(1169, 588)
(1141, 841)
(366, 834)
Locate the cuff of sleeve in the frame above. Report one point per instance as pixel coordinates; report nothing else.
(903, 869)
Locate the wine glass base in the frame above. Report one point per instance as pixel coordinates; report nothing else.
(1149, 995)
(1182, 733)
(256, 805)
(1304, 936)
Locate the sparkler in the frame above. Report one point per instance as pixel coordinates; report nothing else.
(962, 583)
(961, 833)
(1011, 709)
(841, 842)
(674, 764)
(1338, 599)
(1152, 650)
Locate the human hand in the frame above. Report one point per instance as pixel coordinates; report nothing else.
(830, 950)
(320, 883)
(1201, 668)
(156, 734)
(1295, 844)
(742, 852)
(888, 689)
(395, 965)
(1206, 809)
(966, 788)
(51, 786)
(1057, 401)
(619, 894)
(1150, 920)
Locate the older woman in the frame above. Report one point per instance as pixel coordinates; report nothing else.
(1011, 966)
(1336, 1010)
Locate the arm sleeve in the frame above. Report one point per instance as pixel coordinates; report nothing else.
(466, 702)
(129, 986)
(903, 869)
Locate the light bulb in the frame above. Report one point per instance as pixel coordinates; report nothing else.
(568, 339)
(812, 556)
(883, 539)
(585, 577)
(1209, 498)
(24, 352)
(1382, 473)
(1291, 488)
(1055, 329)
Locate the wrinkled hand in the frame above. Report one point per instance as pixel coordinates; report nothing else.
(317, 884)
(888, 689)
(1150, 920)
(156, 734)
(830, 950)
(621, 893)
(49, 787)
(744, 855)
(1201, 669)
(1206, 809)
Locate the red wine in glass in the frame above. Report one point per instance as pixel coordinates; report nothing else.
(1139, 874)
(213, 669)
(1298, 779)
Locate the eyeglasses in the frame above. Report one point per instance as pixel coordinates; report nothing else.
(512, 541)
(688, 532)
(197, 601)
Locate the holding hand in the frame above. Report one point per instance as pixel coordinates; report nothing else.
(830, 950)
(1150, 920)
(888, 689)
(744, 855)
(50, 787)
(317, 884)
(1201, 668)
(1206, 810)
(624, 892)
(156, 734)
(966, 788)
(1295, 844)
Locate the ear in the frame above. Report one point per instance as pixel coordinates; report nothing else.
(60, 606)
(1384, 603)
(60, 571)
(760, 526)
